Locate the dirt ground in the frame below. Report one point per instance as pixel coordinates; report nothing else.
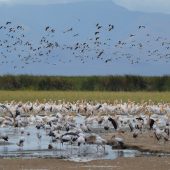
(139, 163)
(145, 142)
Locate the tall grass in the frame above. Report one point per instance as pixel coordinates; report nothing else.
(85, 95)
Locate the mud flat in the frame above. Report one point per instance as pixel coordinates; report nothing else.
(145, 142)
(137, 163)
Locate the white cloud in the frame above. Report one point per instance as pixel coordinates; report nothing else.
(160, 6)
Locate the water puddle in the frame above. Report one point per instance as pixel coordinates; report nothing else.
(38, 148)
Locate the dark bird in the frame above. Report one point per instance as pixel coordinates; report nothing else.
(75, 35)
(97, 38)
(114, 123)
(99, 27)
(97, 32)
(132, 35)
(8, 22)
(151, 123)
(50, 146)
(71, 29)
(4, 137)
(141, 26)
(108, 60)
(111, 27)
(100, 54)
(167, 130)
(46, 29)
(106, 127)
(21, 142)
(140, 119)
(97, 24)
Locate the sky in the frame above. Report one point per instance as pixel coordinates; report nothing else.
(157, 6)
(82, 16)
(161, 6)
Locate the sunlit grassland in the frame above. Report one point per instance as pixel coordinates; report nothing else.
(87, 95)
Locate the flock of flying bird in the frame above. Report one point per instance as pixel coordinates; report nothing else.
(142, 46)
(58, 119)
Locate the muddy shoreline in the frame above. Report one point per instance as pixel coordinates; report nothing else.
(145, 142)
(138, 163)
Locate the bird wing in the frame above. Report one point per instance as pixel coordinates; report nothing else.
(4, 107)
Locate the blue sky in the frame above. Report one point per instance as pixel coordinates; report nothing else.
(82, 16)
(161, 6)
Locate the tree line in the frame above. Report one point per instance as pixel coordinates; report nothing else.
(91, 83)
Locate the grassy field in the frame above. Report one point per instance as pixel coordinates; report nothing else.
(77, 95)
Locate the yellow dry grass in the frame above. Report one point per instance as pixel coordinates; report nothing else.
(83, 95)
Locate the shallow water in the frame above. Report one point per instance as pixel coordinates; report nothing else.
(38, 148)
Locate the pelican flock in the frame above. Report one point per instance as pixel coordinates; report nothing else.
(74, 125)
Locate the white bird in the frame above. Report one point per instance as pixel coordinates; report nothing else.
(100, 142)
(84, 128)
(81, 141)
